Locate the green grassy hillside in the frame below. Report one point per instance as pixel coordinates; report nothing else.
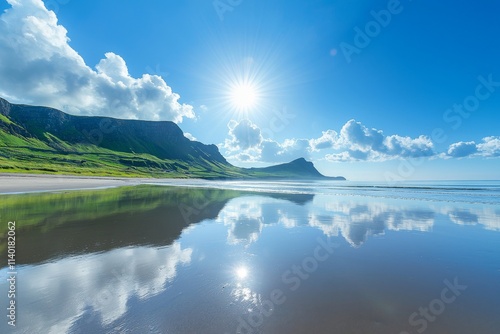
(48, 141)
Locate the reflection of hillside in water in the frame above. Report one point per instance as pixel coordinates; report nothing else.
(61, 224)
(52, 225)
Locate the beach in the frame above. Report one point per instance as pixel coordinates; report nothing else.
(27, 183)
(251, 257)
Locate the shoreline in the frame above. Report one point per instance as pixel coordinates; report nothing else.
(21, 183)
(12, 184)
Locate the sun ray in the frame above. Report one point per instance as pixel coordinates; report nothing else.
(243, 96)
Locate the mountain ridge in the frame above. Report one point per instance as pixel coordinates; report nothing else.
(164, 138)
(89, 145)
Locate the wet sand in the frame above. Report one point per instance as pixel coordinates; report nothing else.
(197, 260)
(24, 183)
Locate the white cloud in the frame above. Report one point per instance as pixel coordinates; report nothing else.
(329, 139)
(407, 147)
(352, 155)
(462, 149)
(339, 157)
(245, 157)
(358, 137)
(354, 142)
(362, 143)
(490, 147)
(287, 151)
(42, 68)
(246, 143)
(244, 135)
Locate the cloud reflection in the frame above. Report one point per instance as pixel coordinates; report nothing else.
(243, 219)
(354, 220)
(357, 222)
(98, 283)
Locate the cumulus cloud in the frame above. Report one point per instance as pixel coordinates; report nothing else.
(243, 135)
(362, 143)
(287, 151)
(489, 148)
(358, 137)
(407, 147)
(246, 143)
(354, 142)
(329, 139)
(339, 157)
(42, 68)
(462, 149)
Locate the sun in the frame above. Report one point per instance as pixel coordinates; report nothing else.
(243, 96)
(241, 272)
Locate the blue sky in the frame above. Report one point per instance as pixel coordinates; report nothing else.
(372, 90)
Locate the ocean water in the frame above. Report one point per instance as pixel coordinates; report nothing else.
(475, 192)
(257, 257)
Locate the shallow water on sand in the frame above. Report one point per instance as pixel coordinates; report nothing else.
(247, 257)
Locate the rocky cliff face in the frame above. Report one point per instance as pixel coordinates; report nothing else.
(162, 139)
(4, 107)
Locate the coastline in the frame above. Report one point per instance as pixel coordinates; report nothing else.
(20, 183)
(33, 183)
